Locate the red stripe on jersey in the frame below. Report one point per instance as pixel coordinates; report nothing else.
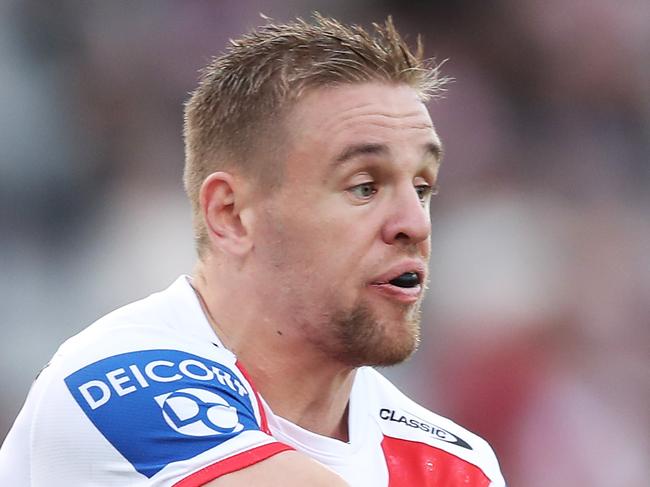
(232, 464)
(412, 463)
(265, 424)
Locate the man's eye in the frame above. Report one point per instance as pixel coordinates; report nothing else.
(363, 190)
(424, 191)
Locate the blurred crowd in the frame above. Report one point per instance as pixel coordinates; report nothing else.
(537, 323)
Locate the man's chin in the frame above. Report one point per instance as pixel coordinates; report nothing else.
(377, 337)
(396, 349)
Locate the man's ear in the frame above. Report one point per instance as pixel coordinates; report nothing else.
(221, 197)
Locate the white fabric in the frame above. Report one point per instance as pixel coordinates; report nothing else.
(148, 395)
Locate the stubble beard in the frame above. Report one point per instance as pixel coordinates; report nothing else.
(359, 337)
(355, 336)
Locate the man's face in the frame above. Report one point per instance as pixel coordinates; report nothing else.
(341, 248)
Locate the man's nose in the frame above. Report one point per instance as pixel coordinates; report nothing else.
(408, 221)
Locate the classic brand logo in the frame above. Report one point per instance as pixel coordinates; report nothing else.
(161, 406)
(420, 424)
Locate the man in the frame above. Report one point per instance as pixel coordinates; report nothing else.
(310, 162)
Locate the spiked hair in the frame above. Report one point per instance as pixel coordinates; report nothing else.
(233, 120)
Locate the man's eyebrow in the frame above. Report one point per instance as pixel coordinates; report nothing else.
(431, 149)
(434, 149)
(364, 149)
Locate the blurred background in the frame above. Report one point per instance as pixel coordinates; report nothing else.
(537, 323)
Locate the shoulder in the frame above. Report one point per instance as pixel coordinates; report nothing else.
(136, 382)
(410, 429)
(402, 417)
(145, 343)
(151, 334)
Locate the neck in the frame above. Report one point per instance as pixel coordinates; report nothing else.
(297, 381)
(304, 391)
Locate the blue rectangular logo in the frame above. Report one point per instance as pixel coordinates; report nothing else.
(161, 406)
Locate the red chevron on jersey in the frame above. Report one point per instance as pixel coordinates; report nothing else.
(411, 463)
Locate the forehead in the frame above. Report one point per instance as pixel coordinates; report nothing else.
(328, 121)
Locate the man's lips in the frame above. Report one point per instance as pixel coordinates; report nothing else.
(405, 295)
(416, 267)
(402, 282)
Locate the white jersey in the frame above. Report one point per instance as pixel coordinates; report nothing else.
(149, 396)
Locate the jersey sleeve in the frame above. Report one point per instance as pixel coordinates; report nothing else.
(152, 417)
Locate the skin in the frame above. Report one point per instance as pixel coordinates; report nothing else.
(295, 280)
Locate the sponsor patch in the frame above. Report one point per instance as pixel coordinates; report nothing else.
(161, 406)
(412, 421)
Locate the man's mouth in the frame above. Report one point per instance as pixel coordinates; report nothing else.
(406, 280)
(404, 287)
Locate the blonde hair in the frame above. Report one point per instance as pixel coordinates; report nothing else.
(233, 120)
